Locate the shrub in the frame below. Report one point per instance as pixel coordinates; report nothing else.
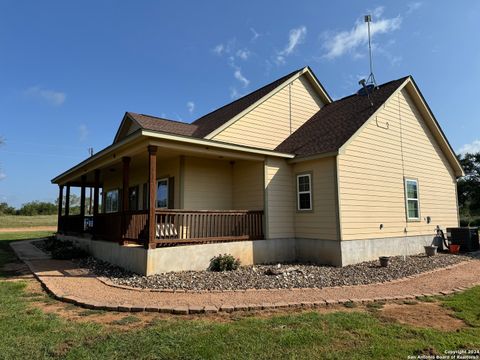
(225, 262)
(66, 250)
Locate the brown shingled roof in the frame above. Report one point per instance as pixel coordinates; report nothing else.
(335, 123)
(163, 125)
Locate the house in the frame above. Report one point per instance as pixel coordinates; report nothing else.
(282, 174)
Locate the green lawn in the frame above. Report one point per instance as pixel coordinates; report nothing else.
(33, 334)
(18, 221)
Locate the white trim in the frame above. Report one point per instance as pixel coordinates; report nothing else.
(407, 199)
(309, 191)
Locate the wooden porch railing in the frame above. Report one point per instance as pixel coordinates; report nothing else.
(71, 223)
(172, 226)
(190, 226)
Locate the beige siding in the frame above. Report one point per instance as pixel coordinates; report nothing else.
(207, 184)
(247, 185)
(280, 199)
(275, 119)
(372, 172)
(321, 222)
(139, 175)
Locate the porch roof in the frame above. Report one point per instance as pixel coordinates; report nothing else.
(138, 141)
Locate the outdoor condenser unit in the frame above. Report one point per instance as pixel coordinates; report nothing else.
(466, 237)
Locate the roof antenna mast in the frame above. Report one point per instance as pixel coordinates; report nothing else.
(371, 77)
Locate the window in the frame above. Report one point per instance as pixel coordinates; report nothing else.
(111, 201)
(304, 192)
(412, 203)
(162, 193)
(133, 198)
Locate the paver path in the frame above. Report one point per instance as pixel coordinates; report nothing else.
(70, 283)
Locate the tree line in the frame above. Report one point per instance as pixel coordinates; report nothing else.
(33, 208)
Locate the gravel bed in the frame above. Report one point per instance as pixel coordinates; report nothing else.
(278, 276)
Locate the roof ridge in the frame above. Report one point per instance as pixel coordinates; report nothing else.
(160, 118)
(378, 86)
(250, 93)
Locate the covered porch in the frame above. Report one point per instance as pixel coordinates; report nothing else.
(159, 194)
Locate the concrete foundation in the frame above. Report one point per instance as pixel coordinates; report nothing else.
(197, 257)
(355, 251)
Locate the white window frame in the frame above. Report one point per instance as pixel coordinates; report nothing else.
(107, 203)
(407, 199)
(309, 192)
(156, 200)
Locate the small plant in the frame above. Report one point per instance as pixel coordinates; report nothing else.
(350, 304)
(225, 262)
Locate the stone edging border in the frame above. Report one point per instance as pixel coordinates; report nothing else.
(186, 310)
(107, 282)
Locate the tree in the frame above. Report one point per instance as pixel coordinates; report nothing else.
(468, 187)
(6, 209)
(37, 208)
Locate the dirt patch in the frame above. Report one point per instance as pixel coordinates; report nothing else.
(28, 228)
(423, 315)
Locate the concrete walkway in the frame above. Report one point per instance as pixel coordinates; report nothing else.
(69, 283)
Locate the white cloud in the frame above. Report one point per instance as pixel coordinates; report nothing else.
(471, 148)
(55, 98)
(239, 76)
(414, 6)
(295, 38)
(340, 43)
(191, 107)
(255, 35)
(243, 54)
(219, 49)
(234, 93)
(82, 132)
(2, 175)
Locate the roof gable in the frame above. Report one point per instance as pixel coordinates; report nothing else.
(335, 123)
(218, 120)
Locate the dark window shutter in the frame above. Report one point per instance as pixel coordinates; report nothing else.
(171, 192)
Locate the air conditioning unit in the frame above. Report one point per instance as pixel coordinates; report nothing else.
(466, 237)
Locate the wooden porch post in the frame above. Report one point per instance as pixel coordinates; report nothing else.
(126, 185)
(152, 191)
(96, 194)
(82, 201)
(60, 205)
(67, 201)
(96, 191)
(82, 195)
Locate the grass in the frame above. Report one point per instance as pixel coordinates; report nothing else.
(19, 221)
(28, 332)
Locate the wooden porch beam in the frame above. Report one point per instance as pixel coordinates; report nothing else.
(152, 191)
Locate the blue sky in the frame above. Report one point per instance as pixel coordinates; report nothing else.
(69, 70)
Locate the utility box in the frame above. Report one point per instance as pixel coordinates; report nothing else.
(466, 237)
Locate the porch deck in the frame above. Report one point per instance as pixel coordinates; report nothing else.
(172, 227)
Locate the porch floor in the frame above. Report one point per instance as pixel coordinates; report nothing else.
(67, 282)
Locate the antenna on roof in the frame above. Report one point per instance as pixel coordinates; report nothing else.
(371, 77)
